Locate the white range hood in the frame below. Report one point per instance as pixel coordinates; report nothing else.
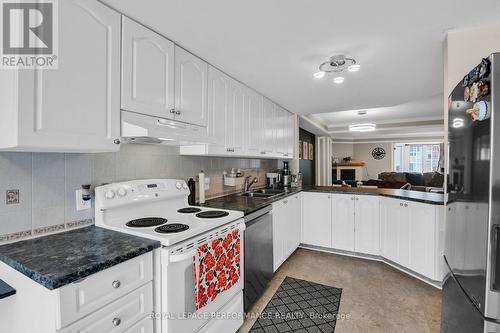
(140, 128)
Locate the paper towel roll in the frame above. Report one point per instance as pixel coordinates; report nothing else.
(201, 182)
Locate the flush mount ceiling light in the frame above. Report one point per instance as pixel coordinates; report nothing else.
(362, 127)
(337, 64)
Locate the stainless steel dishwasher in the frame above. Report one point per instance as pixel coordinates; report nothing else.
(258, 259)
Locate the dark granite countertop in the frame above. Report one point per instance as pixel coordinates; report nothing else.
(250, 204)
(60, 259)
(418, 196)
(6, 290)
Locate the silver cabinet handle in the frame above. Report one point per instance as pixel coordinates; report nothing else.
(172, 110)
(401, 204)
(406, 205)
(329, 197)
(263, 152)
(352, 198)
(117, 141)
(116, 284)
(177, 112)
(285, 202)
(117, 321)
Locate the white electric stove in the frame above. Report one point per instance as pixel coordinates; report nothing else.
(158, 209)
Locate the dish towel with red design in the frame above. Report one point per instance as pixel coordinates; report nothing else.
(216, 267)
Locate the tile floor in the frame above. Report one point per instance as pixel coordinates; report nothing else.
(375, 297)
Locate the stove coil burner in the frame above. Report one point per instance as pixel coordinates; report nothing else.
(212, 214)
(189, 210)
(171, 228)
(146, 222)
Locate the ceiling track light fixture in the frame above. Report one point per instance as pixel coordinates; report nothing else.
(337, 64)
(362, 127)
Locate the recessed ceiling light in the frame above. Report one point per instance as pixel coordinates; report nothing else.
(319, 75)
(354, 68)
(338, 80)
(362, 127)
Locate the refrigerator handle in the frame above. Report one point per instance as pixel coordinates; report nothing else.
(495, 257)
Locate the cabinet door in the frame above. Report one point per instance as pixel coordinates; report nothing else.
(403, 224)
(278, 236)
(343, 222)
(147, 71)
(235, 122)
(296, 215)
(77, 106)
(367, 224)
(253, 131)
(269, 127)
(290, 137)
(422, 224)
(316, 219)
(280, 122)
(218, 103)
(190, 88)
(390, 217)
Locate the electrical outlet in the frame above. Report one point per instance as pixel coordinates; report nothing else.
(11, 197)
(80, 203)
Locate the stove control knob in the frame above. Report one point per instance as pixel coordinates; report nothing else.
(185, 186)
(122, 191)
(110, 194)
(178, 185)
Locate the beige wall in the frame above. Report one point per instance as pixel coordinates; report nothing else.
(363, 151)
(341, 150)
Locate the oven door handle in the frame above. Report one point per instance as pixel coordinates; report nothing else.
(181, 257)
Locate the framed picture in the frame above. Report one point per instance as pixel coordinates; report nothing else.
(305, 150)
(311, 151)
(300, 149)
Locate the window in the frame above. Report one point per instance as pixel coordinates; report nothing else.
(416, 157)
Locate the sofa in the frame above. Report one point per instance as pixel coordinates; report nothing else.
(426, 182)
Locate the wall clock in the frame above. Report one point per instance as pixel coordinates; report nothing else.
(378, 153)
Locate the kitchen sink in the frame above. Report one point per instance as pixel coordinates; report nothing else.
(262, 193)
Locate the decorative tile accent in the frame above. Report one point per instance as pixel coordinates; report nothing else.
(11, 197)
(49, 229)
(75, 224)
(300, 306)
(16, 236)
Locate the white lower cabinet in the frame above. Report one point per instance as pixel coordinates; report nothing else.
(286, 228)
(316, 219)
(367, 224)
(343, 222)
(410, 235)
(407, 233)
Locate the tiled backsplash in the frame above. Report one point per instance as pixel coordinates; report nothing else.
(47, 181)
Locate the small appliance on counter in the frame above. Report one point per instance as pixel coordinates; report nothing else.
(286, 175)
(273, 179)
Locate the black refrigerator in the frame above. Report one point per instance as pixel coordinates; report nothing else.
(471, 287)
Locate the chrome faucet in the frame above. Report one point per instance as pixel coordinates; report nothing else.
(247, 183)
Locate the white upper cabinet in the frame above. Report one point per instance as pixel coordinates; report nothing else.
(218, 103)
(280, 120)
(367, 224)
(191, 77)
(290, 137)
(343, 222)
(316, 219)
(269, 110)
(235, 132)
(75, 108)
(254, 132)
(147, 71)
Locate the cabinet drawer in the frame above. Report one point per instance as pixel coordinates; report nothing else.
(144, 326)
(82, 298)
(118, 316)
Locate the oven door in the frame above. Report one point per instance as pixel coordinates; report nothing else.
(178, 283)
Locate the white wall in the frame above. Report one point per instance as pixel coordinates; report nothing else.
(464, 49)
(363, 151)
